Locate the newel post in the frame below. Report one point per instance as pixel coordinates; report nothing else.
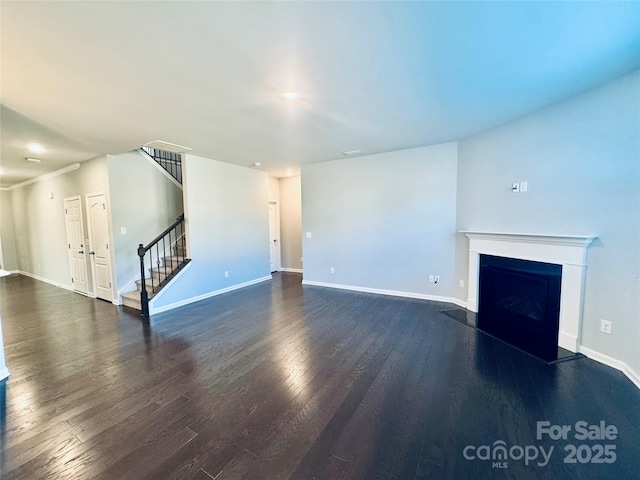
(144, 296)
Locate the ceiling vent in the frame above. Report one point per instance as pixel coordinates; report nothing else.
(167, 147)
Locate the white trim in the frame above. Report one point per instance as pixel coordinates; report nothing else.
(292, 270)
(612, 362)
(45, 280)
(150, 159)
(570, 251)
(204, 296)
(4, 373)
(46, 176)
(167, 147)
(567, 240)
(380, 291)
(458, 302)
(5, 189)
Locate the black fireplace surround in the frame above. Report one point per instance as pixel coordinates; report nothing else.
(519, 302)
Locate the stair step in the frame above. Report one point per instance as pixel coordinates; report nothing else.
(175, 260)
(132, 300)
(160, 273)
(147, 284)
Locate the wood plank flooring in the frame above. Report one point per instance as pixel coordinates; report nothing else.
(280, 380)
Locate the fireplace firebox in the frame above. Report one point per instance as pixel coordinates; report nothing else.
(519, 302)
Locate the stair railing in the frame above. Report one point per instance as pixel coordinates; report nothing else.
(170, 243)
(170, 161)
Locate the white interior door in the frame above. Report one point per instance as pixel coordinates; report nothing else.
(274, 237)
(99, 245)
(75, 243)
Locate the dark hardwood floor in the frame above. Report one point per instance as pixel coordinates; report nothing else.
(278, 381)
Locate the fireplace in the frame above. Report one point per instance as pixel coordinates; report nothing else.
(567, 251)
(519, 302)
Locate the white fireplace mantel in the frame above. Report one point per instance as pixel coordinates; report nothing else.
(570, 251)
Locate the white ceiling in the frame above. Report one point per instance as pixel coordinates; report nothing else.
(89, 78)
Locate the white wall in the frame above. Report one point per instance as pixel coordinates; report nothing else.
(39, 221)
(273, 188)
(383, 222)
(7, 232)
(144, 202)
(226, 207)
(291, 223)
(581, 159)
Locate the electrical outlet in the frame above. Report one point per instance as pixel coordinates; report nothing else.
(524, 186)
(605, 326)
(431, 278)
(461, 283)
(332, 270)
(226, 274)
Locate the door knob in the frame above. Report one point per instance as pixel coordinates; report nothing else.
(81, 251)
(92, 253)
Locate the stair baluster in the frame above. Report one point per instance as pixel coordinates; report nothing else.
(165, 269)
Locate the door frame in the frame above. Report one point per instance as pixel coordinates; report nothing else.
(278, 263)
(64, 203)
(94, 278)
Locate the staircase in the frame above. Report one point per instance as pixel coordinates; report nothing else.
(158, 277)
(170, 161)
(165, 256)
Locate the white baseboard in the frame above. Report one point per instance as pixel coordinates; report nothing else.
(4, 373)
(611, 362)
(458, 302)
(50, 282)
(394, 293)
(181, 303)
(291, 270)
(568, 341)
